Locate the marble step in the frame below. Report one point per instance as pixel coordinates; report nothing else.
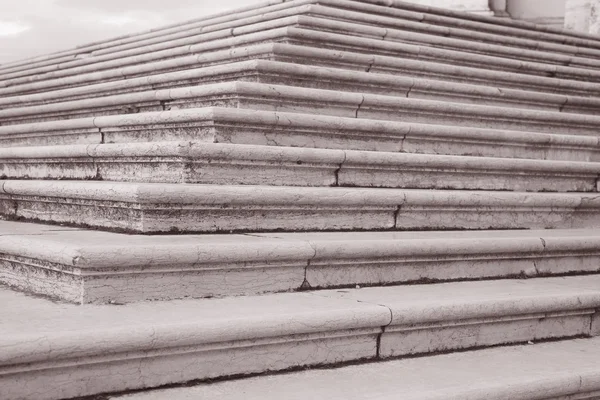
(414, 25)
(304, 30)
(235, 164)
(286, 73)
(268, 97)
(557, 370)
(401, 68)
(268, 128)
(56, 351)
(86, 266)
(163, 208)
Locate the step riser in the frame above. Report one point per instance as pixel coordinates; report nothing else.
(241, 127)
(198, 217)
(300, 173)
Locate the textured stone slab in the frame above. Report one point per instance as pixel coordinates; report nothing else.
(100, 267)
(183, 340)
(230, 164)
(548, 371)
(148, 208)
(287, 73)
(238, 126)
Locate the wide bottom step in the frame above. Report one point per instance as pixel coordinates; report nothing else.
(547, 371)
(54, 351)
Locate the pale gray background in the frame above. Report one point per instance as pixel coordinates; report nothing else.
(34, 27)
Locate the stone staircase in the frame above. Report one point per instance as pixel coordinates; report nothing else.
(309, 183)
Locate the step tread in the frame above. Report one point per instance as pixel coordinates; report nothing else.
(39, 334)
(543, 370)
(26, 317)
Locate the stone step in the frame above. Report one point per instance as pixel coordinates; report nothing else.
(155, 72)
(267, 97)
(55, 351)
(239, 126)
(557, 370)
(285, 73)
(235, 164)
(304, 30)
(354, 12)
(161, 208)
(85, 266)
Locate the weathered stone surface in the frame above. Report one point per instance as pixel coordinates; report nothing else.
(229, 164)
(223, 337)
(147, 208)
(556, 370)
(100, 267)
(239, 126)
(258, 96)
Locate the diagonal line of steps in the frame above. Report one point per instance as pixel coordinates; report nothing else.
(142, 345)
(320, 32)
(352, 180)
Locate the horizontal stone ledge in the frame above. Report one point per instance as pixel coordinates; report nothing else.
(267, 97)
(160, 208)
(100, 267)
(286, 73)
(231, 164)
(239, 126)
(224, 337)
